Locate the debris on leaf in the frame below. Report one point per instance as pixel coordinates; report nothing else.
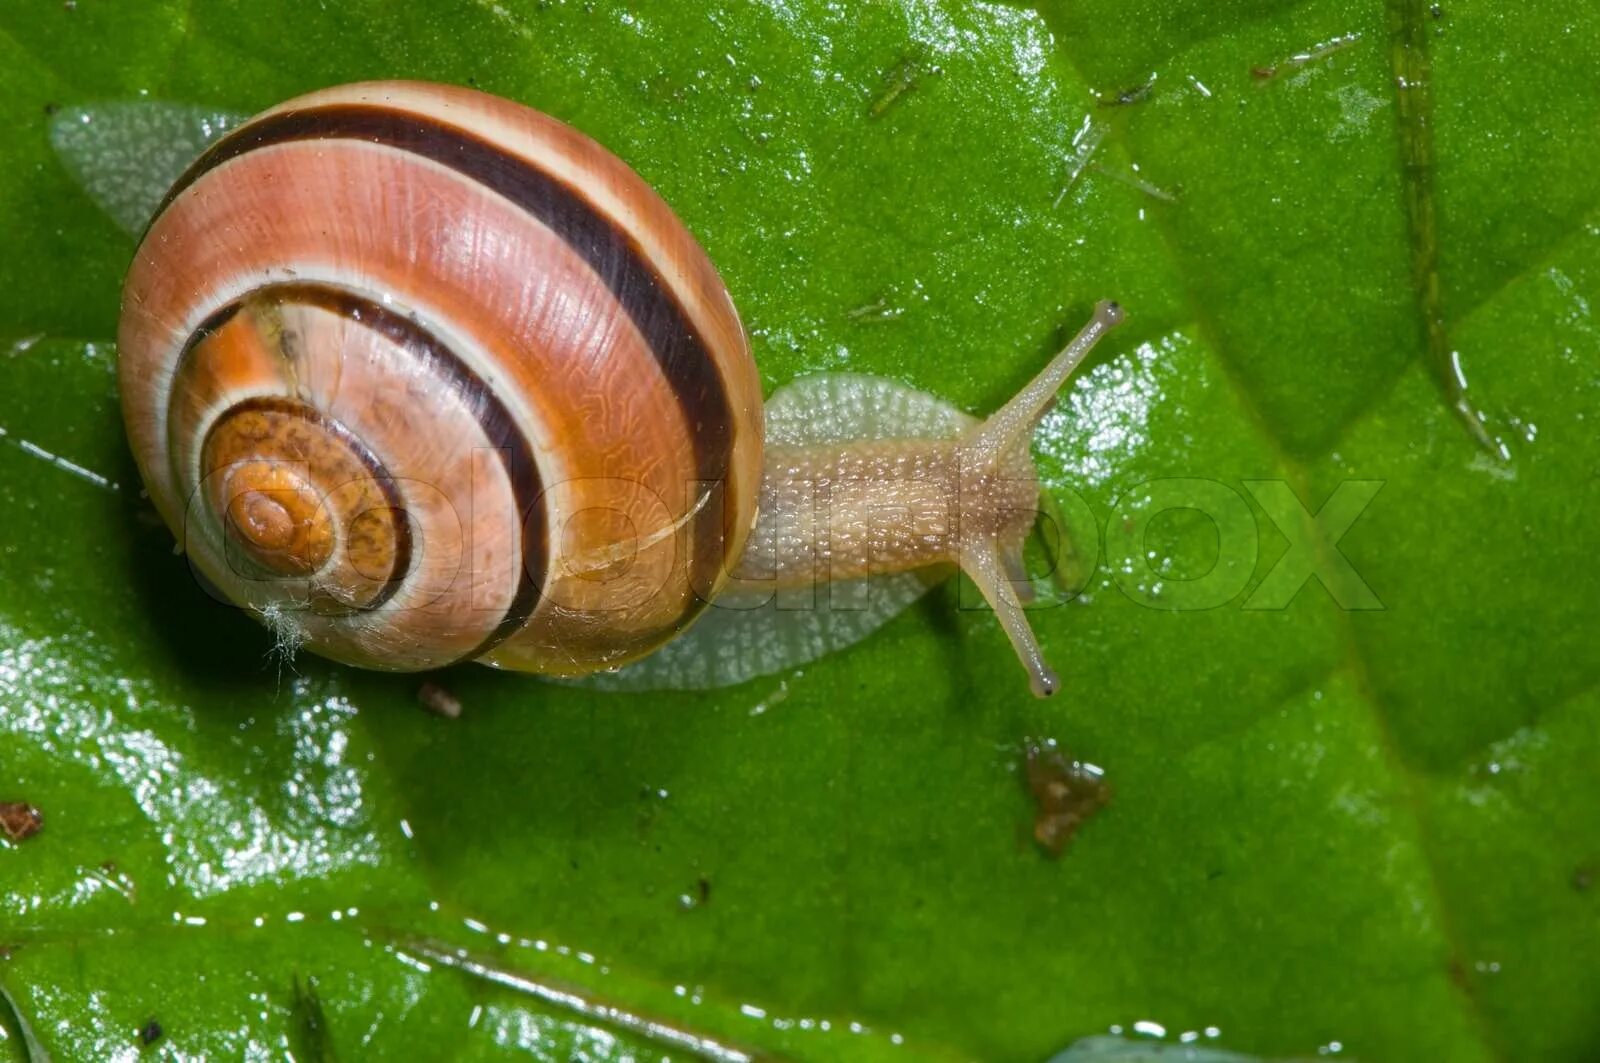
(1067, 793)
(680, 1040)
(1136, 94)
(20, 820)
(1315, 53)
(439, 701)
(876, 311)
(1085, 142)
(699, 898)
(113, 878)
(897, 81)
(150, 1032)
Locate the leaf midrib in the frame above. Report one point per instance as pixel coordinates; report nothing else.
(1297, 471)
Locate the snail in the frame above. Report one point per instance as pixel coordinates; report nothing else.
(419, 375)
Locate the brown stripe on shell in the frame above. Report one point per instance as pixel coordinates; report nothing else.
(499, 426)
(610, 251)
(576, 373)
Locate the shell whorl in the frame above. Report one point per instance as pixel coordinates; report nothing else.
(440, 378)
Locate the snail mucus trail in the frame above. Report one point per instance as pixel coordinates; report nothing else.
(423, 375)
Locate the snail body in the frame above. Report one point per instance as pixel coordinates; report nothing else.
(421, 375)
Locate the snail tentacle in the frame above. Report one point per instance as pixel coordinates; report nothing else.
(994, 454)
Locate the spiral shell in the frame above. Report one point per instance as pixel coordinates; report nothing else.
(423, 375)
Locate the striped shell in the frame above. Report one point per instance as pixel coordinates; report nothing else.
(421, 375)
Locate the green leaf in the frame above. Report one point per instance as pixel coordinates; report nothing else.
(1376, 828)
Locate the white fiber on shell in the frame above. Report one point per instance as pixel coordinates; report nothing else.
(739, 638)
(126, 154)
(288, 633)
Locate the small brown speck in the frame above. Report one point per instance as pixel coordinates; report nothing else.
(1583, 878)
(1066, 793)
(439, 701)
(150, 1032)
(20, 820)
(1263, 73)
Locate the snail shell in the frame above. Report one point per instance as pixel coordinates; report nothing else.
(421, 375)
